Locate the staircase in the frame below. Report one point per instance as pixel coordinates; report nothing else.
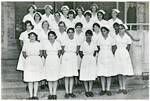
(13, 87)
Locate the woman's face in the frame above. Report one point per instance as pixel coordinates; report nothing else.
(79, 11)
(31, 9)
(51, 37)
(28, 27)
(70, 16)
(45, 25)
(61, 27)
(78, 28)
(96, 28)
(70, 34)
(99, 16)
(47, 10)
(93, 8)
(115, 27)
(57, 16)
(104, 31)
(114, 13)
(32, 37)
(87, 17)
(88, 37)
(37, 17)
(121, 29)
(65, 11)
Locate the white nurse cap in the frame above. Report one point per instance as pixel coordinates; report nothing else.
(72, 11)
(48, 6)
(106, 26)
(116, 10)
(64, 7)
(101, 11)
(80, 7)
(87, 11)
(38, 13)
(93, 5)
(33, 6)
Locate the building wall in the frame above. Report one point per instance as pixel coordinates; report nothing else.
(9, 44)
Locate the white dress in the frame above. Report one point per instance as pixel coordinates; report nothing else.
(25, 39)
(96, 36)
(69, 65)
(49, 19)
(28, 17)
(61, 37)
(94, 18)
(54, 26)
(111, 22)
(88, 64)
(102, 23)
(37, 27)
(79, 19)
(122, 57)
(80, 38)
(52, 62)
(87, 25)
(105, 64)
(33, 63)
(70, 23)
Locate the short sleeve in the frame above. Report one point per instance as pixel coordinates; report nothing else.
(113, 42)
(82, 47)
(98, 42)
(21, 36)
(95, 47)
(44, 46)
(24, 19)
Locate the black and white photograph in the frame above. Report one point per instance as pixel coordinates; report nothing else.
(75, 50)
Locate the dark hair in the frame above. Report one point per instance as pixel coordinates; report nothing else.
(88, 13)
(79, 8)
(71, 12)
(39, 15)
(36, 36)
(116, 12)
(79, 24)
(101, 13)
(89, 32)
(57, 12)
(31, 5)
(122, 26)
(116, 24)
(28, 21)
(70, 29)
(44, 22)
(95, 6)
(96, 24)
(105, 28)
(52, 32)
(50, 9)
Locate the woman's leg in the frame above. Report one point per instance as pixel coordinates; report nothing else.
(50, 87)
(35, 88)
(30, 85)
(108, 83)
(124, 82)
(90, 85)
(86, 86)
(103, 82)
(66, 84)
(71, 84)
(54, 87)
(120, 81)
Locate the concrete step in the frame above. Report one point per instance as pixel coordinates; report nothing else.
(21, 93)
(11, 76)
(5, 71)
(9, 62)
(8, 68)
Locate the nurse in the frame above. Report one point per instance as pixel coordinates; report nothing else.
(48, 14)
(106, 58)
(37, 22)
(70, 22)
(100, 18)
(52, 52)
(64, 14)
(69, 62)
(122, 58)
(54, 24)
(31, 10)
(32, 52)
(93, 9)
(80, 17)
(96, 32)
(87, 24)
(88, 66)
